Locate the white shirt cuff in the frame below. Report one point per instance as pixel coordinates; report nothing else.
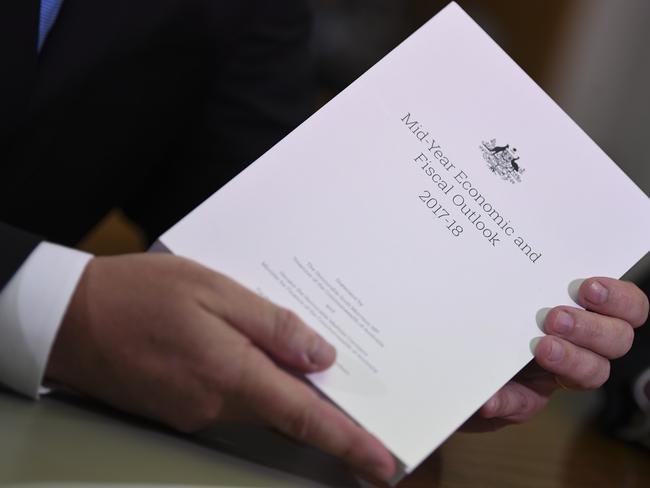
(32, 306)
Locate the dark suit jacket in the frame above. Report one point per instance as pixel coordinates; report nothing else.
(148, 105)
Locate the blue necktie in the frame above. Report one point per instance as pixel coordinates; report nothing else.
(49, 11)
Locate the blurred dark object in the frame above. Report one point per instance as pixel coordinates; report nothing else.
(626, 414)
(352, 35)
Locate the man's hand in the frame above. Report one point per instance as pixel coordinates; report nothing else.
(162, 337)
(574, 354)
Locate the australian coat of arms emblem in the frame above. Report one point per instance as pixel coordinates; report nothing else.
(502, 160)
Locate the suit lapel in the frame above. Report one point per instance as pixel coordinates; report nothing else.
(18, 60)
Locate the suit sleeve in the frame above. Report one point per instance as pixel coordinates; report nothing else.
(260, 88)
(15, 246)
(265, 88)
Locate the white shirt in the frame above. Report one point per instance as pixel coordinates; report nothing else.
(32, 306)
(34, 301)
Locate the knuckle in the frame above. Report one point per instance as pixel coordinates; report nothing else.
(351, 449)
(491, 407)
(522, 404)
(215, 286)
(504, 405)
(643, 310)
(626, 339)
(200, 416)
(208, 413)
(595, 375)
(287, 327)
(632, 303)
(590, 374)
(589, 329)
(604, 374)
(301, 424)
(238, 379)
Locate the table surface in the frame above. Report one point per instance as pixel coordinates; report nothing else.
(64, 441)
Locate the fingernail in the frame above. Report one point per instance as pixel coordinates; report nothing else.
(556, 352)
(533, 344)
(321, 353)
(540, 317)
(596, 293)
(574, 289)
(563, 323)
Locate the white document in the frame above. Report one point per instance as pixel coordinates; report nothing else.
(419, 221)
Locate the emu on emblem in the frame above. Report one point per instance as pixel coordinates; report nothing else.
(502, 160)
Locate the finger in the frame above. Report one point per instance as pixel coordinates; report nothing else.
(615, 298)
(278, 331)
(607, 336)
(535, 377)
(478, 424)
(574, 366)
(514, 402)
(296, 410)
